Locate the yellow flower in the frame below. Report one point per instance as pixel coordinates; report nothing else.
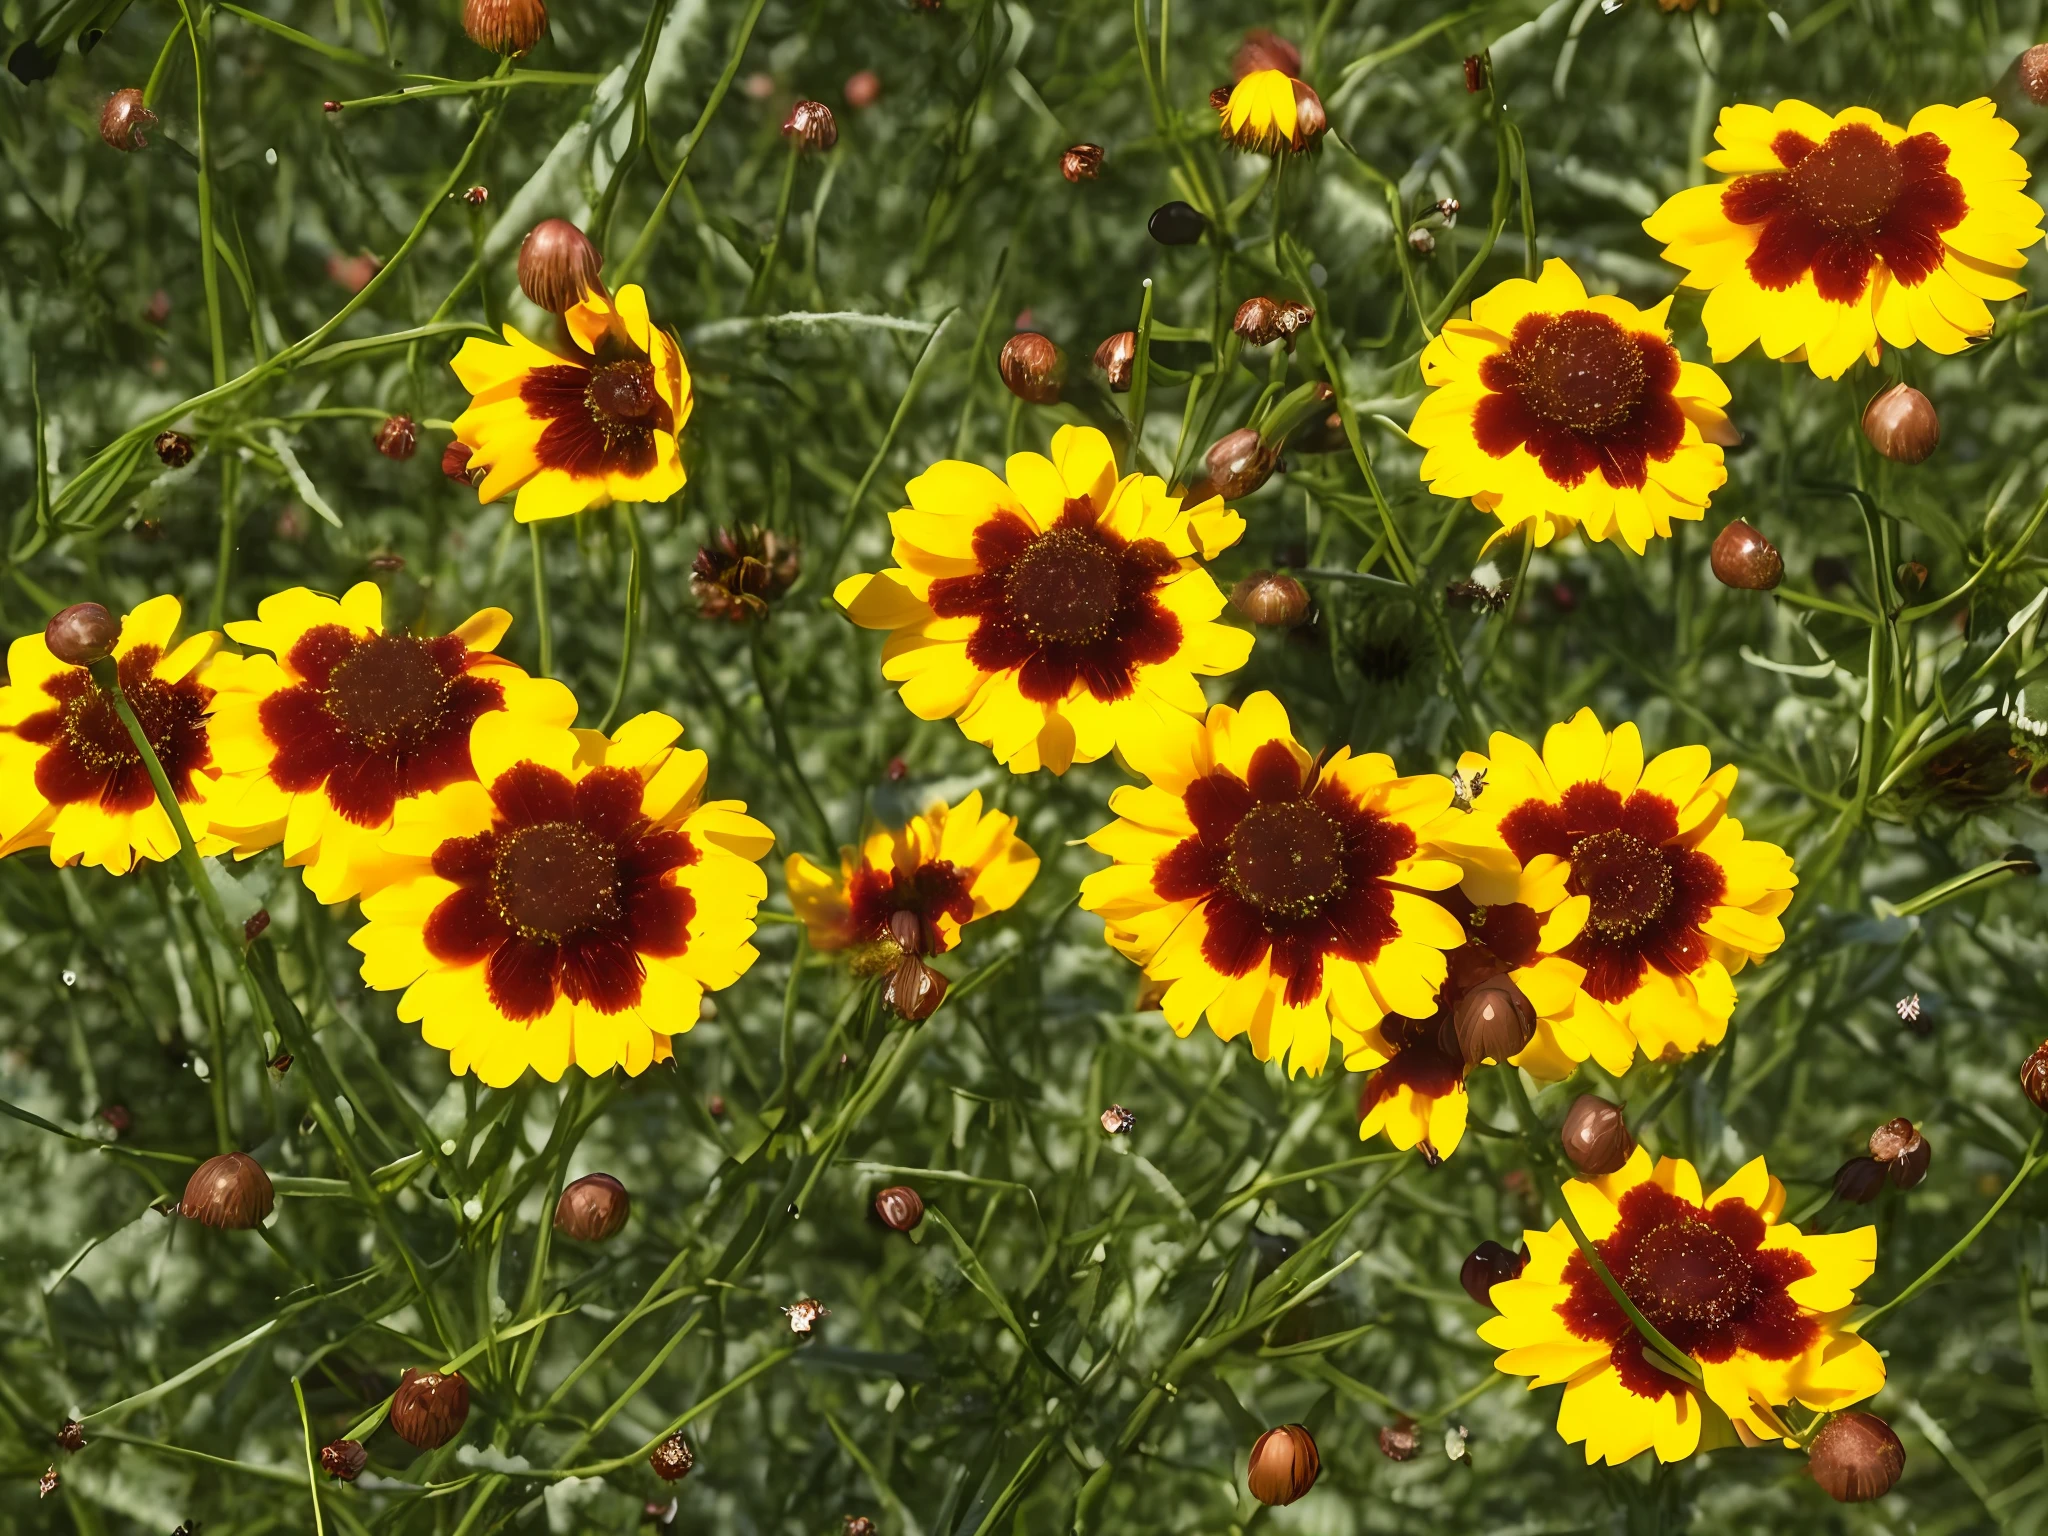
(319, 742)
(569, 432)
(948, 867)
(1280, 894)
(1675, 899)
(1838, 232)
(572, 903)
(1562, 409)
(1759, 1307)
(1057, 616)
(70, 777)
(1269, 111)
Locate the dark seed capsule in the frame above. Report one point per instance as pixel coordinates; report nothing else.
(1238, 463)
(230, 1192)
(1176, 223)
(1485, 1267)
(1745, 559)
(71, 1435)
(1494, 1022)
(174, 448)
(1901, 424)
(1273, 602)
(1115, 358)
(1891, 1139)
(1033, 368)
(344, 1459)
(899, 1208)
(2034, 1076)
(1911, 1165)
(593, 1208)
(2033, 69)
(124, 121)
(1856, 1458)
(914, 989)
(397, 437)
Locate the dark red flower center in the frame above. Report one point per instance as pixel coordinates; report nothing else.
(1851, 181)
(624, 391)
(90, 756)
(1627, 880)
(934, 890)
(1076, 605)
(600, 416)
(1581, 394)
(1287, 857)
(555, 879)
(1583, 371)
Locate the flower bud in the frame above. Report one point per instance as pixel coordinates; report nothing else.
(742, 572)
(812, 123)
(910, 932)
(1475, 72)
(1284, 1465)
(124, 121)
(1485, 1267)
(1745, 559)
(672, 1459)
(1311, 122)
(429, 1408)
(505, 26)
(1115, 358)
(1033, 368)
(1421, 241)
(805, 1315)
(1263, 49)
(82, 634)
(1176, 223)
(1275, 602)
(1905, 1153)
(899, 1208)
(558, 265)
(2034, 74)
(174, 448)
(914, 989)
(230, 1192)
(476, 197)
(1494, 1021)
(1257, 322)
(1911, 577)
(2034, 1076)
(1856, 1458)
(1081, 162)
(1239, 462)
(455, 464)
(1595, 1136)
(1860, 1180)
(397, 437)
(344, 1459)
(254, 925)
(71, 1435)
(1118, 1121)
(1399, 1440)
(593, 1208)
(1901, 424)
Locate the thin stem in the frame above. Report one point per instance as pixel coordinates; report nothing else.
(540, 603)
(785, 750)
(209, 271)
(2028, 1165)
(312, 1477)
(471, 87)
(1141, 375)
(758, 288)
(628, 515)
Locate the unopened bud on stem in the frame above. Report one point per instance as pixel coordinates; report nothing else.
(1033, 368)
(1595, 1136)
(558, 265)
(82, 634)
(1902, 425)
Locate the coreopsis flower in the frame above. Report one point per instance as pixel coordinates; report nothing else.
(319, 741)
(1269, 111)
(598, 425)
(1759, 1307)
(1838, 233)
(741, 572)
(1057, 615)
(70, 777)
(1564, 409)
(571, 904)
(945, 869)
(1676, 899)
(1280, 894)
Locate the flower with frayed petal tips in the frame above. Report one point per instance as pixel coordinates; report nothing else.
(1269, 111)
(572, 904)
(70, 777)
(319, 741)
(1058, 615)
(1760, 1308)
(1839, 233)
(1676, 900)
(947, 867)
(1281, 894)
(598, 425)
(1564, 409)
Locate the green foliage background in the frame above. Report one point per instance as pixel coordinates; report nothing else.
(1095, 1331)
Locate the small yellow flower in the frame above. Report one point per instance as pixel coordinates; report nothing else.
(1269, 111)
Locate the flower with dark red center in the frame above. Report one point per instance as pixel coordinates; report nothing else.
(1758, 1307)
(599, 425)
(79, 787)
(1058, 616)
(1563, 409)
(570, 904)
(1839, 233)
(320, 740)
(1280, 894)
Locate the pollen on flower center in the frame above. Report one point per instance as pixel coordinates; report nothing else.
(386, 688)
(1852, 181)
(623, 393)
(1286, 857)
(1582, 370)
(1064, 587)
(1628, 881)
(1689, 1271)
(96, 733)
(555, 879)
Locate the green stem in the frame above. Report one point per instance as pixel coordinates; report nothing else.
(2028, 1165)
(209, 271)
(630, 633)
(540, 603)
(758, 288)
(785, 750)
(1141, 376)
(848, 519)
(312, 1477)
(500, 81)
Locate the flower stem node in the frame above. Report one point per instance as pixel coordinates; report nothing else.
(231, 1193)
(82, 634)
(1033, 368)
(805, 1315)
(1856, 1458)
(344, 1459)
(593, 1208)
(1595, 1136)
(1118, 1121)
(1744, 559)
(1494, 1022)
(1487, 1266)
(125, 119)
(1399, 1440)
(1270, 600)
(1114, 359)
(811, 124)
(1903, 1151)
(1081, 162)
(558, 265)
(510, 27)
(174, 448)
(1284, 1465)
(672, 1459)
(398, 437)
(899, 1208)
(429, 1408)
(1901, 424)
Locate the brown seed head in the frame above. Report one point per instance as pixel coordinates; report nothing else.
(2034, 1076)
(672, 1459)
(1399, 1440)
(1493, 1021)
(476, 197)
(805, 1315)
(741, 572)
(124, 121)
(1033, 368)
(1595, 1136)
(1856, 1457)
(71, 1435)
(914, 989)
(1284, 1465)
(505, 26)
(1860, 1180)
(558, 265)
(1745, 559)
(429, 1408)
(1263, 49)
(397, 437)
(899, 1208)
(1115, 358)
(174, 448)
(1239, 462)
(455, 464)
(1257, 322)
(82, 634)
(1275, 602)
(230, 1192)
(856, 1525)
(1081, 162)
(593, 1208)
(812, 123)
(2034, 74)
(1310, 121)
(1118, 1121)
(1487, 1266)
(1902, 425)
(344, 1459)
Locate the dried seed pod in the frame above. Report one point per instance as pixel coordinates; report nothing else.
(1745, 559)
(1239, 462)
(1902, 425)
(124, 121)
(1891, 1139)
(1081, 162)
(1284, 1465)
(672, 1459)
(1263, 49)
(505, 26)
(1118, 1121)
(1311, 122)
(174, 448)
(71, 1435)
(1399, 1440)
(1595, 1136)
(1176, 223)
(1493, 1021)
(1115, 358)
(1911, 1165)
(812, 123)
(1485, 1267)
(914, 989)
(47, 1483)
(429, 1408)
(1257, 322)
(2034, 1076)
(593, 1208)
(1856, 1458)
(1033, 368)
(558, 265)
(1275, 602)
(397, 437)
(856, 1525)
(2034, 74)
(230, 1192)
(899, 1208)
(805, 1315)
(344, 1459)
(82, 634)
(1860, 1180)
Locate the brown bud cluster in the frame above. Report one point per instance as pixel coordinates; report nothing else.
(230, 1192)
(558, 265)
(811, 124)
(1487, 1266)
(1902, 1150)
(344, 1459)
(1595, 1136)
(899, 1208)
(174, 448)
(1856, 1458)
(429, 1408)
(1115, 358)
(1493, 1022)
(593, 1208)
(741, 572)
(505, 26)
(1901, 424)
(124, 121)
(1284, 1465)
(1081, 162)
(1033, 368)
(672, 1459)
(1269, 600)
(1261, 321)
(82, 634)
(398, 437)
(1745, 559)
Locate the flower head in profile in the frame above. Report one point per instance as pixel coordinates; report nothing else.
(1563, 409)
(1840, 232)
(1282, 895)
(70, 777)
(597, 425)
(1676, 899)
(570, 904)
(1760, 1308)
(1269, 111)
(1057, 615)
(320, 740)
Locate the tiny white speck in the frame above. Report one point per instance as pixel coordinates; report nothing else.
(270, 157)
(472, 1208)
(70, 978)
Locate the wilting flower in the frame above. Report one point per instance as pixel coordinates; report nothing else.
(321, 740)
(1760, 1308)
(1269, 110)
(741, 571)
(571, 904)
(73, 781)
(1563, 409)
(1281, 894)
(1676, 898)
(1839, 232)
(597, 426)
(1057, 616)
